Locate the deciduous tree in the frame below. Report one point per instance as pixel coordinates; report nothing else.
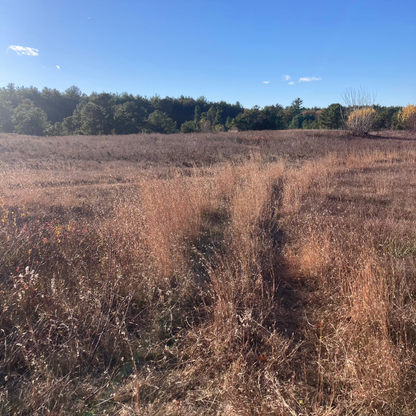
(361, 120)
(358, 114)
(407, 117)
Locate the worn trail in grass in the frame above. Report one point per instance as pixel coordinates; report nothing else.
(256, 286)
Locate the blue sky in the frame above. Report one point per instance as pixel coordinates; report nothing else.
(223, 50)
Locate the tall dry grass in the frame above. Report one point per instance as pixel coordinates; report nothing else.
(242, 288)
(361, 286)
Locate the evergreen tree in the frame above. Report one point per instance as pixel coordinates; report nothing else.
(159, 122)
(269, 118)
(6, 113)
(331, 117)
(128, 119)
(31, 120)
(57, 105)
(272, 118)
(93, 119)
(10, 93)
(310, 124)
(56, 130)
(387, 117)
(72, 125)
(73, 93)
(197, 113)
(296, 122)
(229, 123)
(106, 102)
(296, 107)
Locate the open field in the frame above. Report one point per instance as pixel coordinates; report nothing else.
(255, 273)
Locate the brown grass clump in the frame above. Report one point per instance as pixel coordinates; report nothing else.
(267, 277)
(361, 286)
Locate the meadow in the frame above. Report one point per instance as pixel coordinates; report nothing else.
(236, 273)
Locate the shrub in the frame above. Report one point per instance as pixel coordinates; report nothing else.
(189, 127)
(362, 120)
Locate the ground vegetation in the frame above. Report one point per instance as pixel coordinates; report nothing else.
(238, 273)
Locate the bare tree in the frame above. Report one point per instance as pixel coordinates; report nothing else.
(358, 113)
(358, 97)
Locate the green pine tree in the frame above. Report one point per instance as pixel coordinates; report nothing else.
(31, 120)
(331, 117)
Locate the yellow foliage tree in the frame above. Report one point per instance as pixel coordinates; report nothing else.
(407, 116)
(361, 120)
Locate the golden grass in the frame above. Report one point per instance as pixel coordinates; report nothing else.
(250, 287)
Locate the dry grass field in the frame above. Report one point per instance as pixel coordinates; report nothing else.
(255, 273)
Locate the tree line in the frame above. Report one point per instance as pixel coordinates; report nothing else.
(54, 113)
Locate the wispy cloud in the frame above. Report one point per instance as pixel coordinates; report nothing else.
(287, 77)
(291, 83)
(309, 79)
(22, 50)
(58, 66)
(266, 82)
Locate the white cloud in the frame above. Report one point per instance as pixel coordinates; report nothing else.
(291, 83)
(309, 79)
(287, 77)
(22, 50)
(58, 66)
(266, 82)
